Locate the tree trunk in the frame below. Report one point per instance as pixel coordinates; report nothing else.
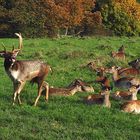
(66, 31)
(58, 33)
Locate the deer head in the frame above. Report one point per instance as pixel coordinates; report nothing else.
(11, 55)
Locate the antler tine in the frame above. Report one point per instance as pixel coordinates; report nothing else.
(20, 40)
(13, 48)
(4, 46)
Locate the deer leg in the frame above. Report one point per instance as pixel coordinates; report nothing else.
(19, 90)
(16, 86)
(46, 86)
(39, 93)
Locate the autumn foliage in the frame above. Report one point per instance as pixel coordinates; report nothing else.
(46, 17)
(121, 16)
(37, 18)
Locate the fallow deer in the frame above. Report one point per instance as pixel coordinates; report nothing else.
(21, 71)
(129, 71)
(85, 87)
(64, 91)
(134, 105)
(124, 82)
(131, 94)
(92, 66)
(102, 79)
(135, 63)
(118, 55)
(102, 98)
(131, 107)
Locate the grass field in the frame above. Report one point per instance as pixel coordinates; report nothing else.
(66, 118)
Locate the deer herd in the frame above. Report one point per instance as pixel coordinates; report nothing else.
(125, 79)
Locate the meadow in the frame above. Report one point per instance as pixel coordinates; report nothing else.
(67, 118)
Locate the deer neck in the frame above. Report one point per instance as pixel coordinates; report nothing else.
(115, 75)
(134, 96)
(106, 83)
(106, 102)
(73, 91)
(8, 64)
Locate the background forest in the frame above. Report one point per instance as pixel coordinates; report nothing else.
(39, 18)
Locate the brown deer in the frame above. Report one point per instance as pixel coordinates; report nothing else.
(85, 87)
(131, 107)
(118, 55)
(21, 71)
(124, 82)
(64, 91)
(92, 66)
(102, 98)
(129, 71)
(135, 63)
(131, 94)
(102, 79)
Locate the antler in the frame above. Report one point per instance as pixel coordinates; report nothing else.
(15, 50)
(4, 46)
(20, 40)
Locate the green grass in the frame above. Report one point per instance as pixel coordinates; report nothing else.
(66, 118)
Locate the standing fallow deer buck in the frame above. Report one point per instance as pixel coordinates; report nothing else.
(21, 71)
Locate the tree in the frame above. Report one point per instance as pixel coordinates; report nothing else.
(121, 16)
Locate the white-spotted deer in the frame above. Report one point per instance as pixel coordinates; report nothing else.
(21, 71)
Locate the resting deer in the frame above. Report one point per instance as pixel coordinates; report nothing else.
(85, 87)
(102, 98)
(135, 63)
(118, 55)
(124, 82)
(134, 105)
(103, 80)
(21, 71)
(64, 91)
(131, 107)
(92, 66)
(131, 94)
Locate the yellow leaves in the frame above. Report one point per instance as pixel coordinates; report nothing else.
(131, 7)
